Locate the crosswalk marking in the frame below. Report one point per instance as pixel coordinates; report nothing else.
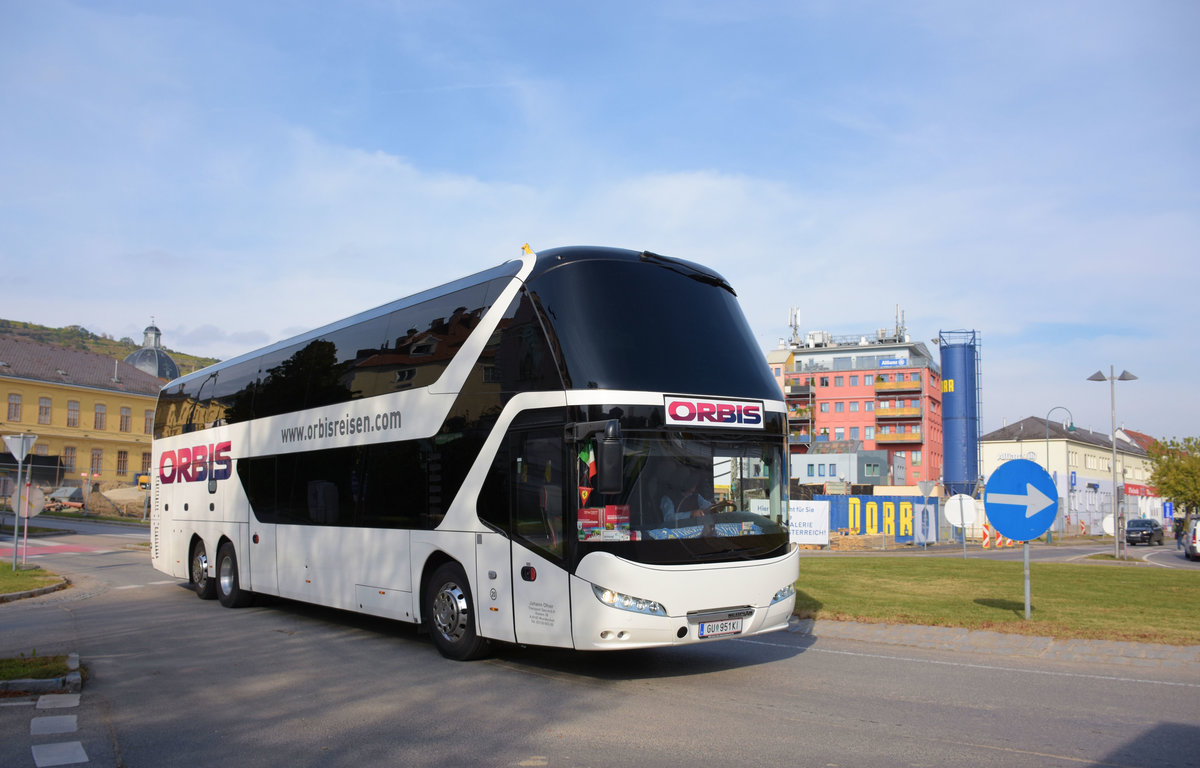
(60, 753)
(53, 724)
(66, 753)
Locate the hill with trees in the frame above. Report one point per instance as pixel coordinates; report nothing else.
(78, 337)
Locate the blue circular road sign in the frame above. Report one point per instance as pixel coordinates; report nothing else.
(1021, 500)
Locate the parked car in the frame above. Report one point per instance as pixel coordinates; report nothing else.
(1191, 539)
(1142, 530)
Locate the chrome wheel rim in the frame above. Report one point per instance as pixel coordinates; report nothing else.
(199, 567)
(226, 575)
(450, 612)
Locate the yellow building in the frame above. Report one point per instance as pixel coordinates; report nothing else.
(93, 415)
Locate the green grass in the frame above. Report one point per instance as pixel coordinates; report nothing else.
(23, 580)
(33, 667)
(1110, 602)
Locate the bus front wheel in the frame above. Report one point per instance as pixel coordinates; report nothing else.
(450, 614)
(205, 588)
(229, 590)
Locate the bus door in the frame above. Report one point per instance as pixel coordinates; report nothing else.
(541, 592)
(261, 552)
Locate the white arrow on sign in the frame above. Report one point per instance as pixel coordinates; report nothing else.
(1033, 500)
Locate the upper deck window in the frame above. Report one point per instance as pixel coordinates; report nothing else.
(627, 324)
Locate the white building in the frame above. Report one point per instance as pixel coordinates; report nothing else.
(1080, 461)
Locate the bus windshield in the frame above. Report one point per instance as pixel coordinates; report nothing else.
(687, 497)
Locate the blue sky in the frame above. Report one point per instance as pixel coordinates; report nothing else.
(243, 171)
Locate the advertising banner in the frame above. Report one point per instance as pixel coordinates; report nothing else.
(809, 522)
(891, 516)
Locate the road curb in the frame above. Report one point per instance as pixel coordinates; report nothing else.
(72, 682)
(11, 596)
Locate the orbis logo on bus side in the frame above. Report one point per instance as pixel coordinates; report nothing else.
(713, 413)
(193, 465)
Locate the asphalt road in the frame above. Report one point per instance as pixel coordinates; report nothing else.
(176, 681)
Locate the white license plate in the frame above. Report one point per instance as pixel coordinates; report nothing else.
(716, 628)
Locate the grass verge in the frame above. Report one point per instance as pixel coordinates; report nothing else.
(33, 667)
(1109, 602)
(22, 580)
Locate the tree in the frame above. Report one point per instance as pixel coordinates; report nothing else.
(1175, 467)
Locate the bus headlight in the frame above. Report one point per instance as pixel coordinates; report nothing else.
(784, 594)
(628, 602)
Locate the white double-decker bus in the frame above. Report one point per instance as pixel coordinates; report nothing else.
(580, 448)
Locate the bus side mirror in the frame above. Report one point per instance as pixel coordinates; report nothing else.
(610, 460)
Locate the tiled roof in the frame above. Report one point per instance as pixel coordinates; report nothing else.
(1034, 428)
(24, 359)
(1141, 438)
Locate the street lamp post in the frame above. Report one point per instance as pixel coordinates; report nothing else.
(1067, 466)
(1112, 380)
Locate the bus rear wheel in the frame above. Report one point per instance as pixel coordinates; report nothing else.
(450, 614)
(229, 590)
(205, 588)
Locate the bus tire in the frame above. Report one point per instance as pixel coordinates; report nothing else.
(204, 587)
(449, 612)
(229, 590)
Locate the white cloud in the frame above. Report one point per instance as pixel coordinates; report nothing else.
(980, 171)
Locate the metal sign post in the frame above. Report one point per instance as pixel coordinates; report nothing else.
(926, 486)
(960, 511)
(19, 446)
(1022, 503)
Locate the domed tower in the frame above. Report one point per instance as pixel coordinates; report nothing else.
(152, 358)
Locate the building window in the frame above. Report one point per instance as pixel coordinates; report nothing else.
(824, 381)
(41, 450)
(97, 460)
(839, 407)
(869, 405)
(833, 470)
(839, 433)
(148, 427)
(854, 381)
(145, 462)
(853, 406)
(101, 416)
(68, 458)
(122, 463)
(126, 419)
(14, 407)
(916, 457)
(839, 381)
(812, 470)
(72, 413)
(868, 433)
(824, 407)
(853, 433)
(43, 410)
(821, 470)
